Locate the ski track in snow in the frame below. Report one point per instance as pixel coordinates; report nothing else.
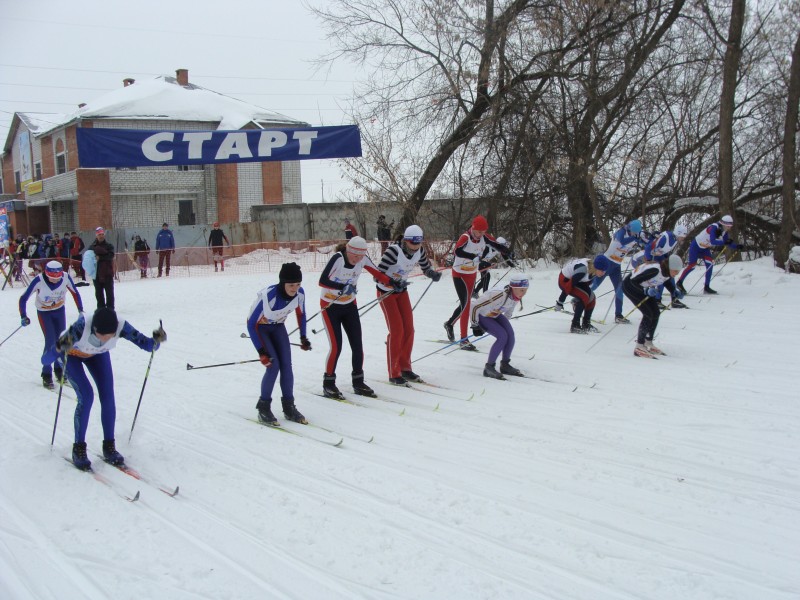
(609, 477)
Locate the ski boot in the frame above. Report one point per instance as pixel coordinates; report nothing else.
(47, 381)
(397, 380)
(290, 411)
(641, 351)
(577, 329)
(361, 388)
(619, 319)
(589, 328)
(110, 454)
(449, 329)
(681, 288)
(655, 351)
(490, 371)
(265, 413)
(678, 304)
(410, 376)
(708, 290)
(465, 344)
(507, 369)
(329, 389)
(79, 458)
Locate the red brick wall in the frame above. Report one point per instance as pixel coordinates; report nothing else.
(48, 157)
(38, 219)
(272, 182)
(72, 149)
(9, 186)
(94, 198)
(227, 193)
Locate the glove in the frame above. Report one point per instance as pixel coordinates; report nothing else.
(478, 331)
(159, 335)
(678, 294)
(652, 292)
(433, 274)
(349, 290)
(483, 265)
(25, 321)
(264, 357)
(65, 342)
(399, 285)
(305, 344)
(559, 306)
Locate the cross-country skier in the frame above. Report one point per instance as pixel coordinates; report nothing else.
(338, 282)
(575, 280)
(715, 235)
(659, 250)
(489, 256)
(265, 325)
(397, 263)
(468, 251)
(51, 289)
(642, 287)
(624, 241)
(489, 315)
(87, 344)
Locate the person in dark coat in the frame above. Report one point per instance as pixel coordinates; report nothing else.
(165, 247)
(215, 240)
(384, 232)
(141, 253)
(104, 278)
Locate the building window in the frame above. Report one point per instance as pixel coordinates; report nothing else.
(37, 171)
(186, 212)
(17, 182)
(183, 167)
(61, 163)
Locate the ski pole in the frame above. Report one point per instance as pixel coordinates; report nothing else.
(144, 383)
(320, 311)
(615, 324)
(422, 296)
(374, 303)
(58, 404)
(535, 312)
(239, 362)
(12, 333)
(247, 337)
(474, 339)
(439, 350)
(716, 260)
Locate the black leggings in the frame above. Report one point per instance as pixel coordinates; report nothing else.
(647, 306)
(343, 316)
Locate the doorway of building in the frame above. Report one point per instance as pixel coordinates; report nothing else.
(186, 212)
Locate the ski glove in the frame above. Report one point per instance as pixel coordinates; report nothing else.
(652, 292)
(159, 335)
(25, 321)
(264, 357)
(305, 344)
(483, 265)
(433, 274)
(478, 331)
(65, 342)
(349, 290)
(399, 285)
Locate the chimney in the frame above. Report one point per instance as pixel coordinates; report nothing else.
(128, 81)
(82, 104)
(183, 76)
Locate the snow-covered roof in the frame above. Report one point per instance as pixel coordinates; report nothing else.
(38, 122)
(164, 98)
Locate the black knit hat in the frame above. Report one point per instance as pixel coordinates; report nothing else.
(105, 321)
(290, 273)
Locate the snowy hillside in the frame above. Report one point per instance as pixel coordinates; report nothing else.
(612, 477)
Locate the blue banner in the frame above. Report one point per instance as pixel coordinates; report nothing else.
(99, 147)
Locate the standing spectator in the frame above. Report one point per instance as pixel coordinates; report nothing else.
(63, 252)
(349, 229)
(141, 253)
(165, 246)
(104, 278)
(76, 247)
(384, 232)
(32, 249)
(19, 251)
(215, 239)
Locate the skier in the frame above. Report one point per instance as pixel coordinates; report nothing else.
(642, 288)
(338, 282)
(215, 239)
(141, 252)
(716, 235)
(659, 250)
(575, 280)
(265, 324)
(87, 343)
(165, 247)
(624, 241)
(468, 251)
(51, 289)
(489, 315)
(397, 262)
(489, 256)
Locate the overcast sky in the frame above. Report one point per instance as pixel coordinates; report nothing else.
(56, 54)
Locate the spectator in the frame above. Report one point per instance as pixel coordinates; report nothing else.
(104, 277)
(63, 252)
(384, 233)
(349, 229)
(165, 246)
(215, 239)
(141, 253)
(76, 248)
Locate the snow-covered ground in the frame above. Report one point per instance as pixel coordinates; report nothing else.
(617, 478)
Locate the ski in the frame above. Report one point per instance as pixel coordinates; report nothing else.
(105, 481)
(131, 472)
(441, 387)
(335, 444)
(355, 437)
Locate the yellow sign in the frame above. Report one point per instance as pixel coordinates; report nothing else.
(34, 187)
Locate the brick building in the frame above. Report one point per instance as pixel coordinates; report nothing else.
(47, 191)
